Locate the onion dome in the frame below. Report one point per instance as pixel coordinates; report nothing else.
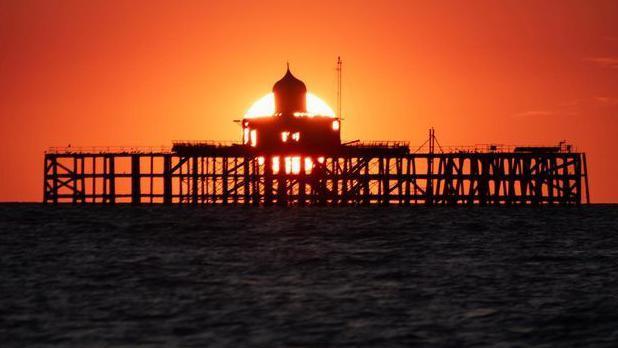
(290, 94)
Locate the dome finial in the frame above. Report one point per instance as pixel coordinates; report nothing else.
(290, 94)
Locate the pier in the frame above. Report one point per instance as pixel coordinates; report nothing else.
(382, 173)
(291, 154)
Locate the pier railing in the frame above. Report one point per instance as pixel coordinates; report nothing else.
(378, 144)
(107, 149)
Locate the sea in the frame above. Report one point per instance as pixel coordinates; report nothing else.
(157, 276)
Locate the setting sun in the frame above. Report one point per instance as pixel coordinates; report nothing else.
(265, 107)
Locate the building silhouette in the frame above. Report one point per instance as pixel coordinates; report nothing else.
(291, 129)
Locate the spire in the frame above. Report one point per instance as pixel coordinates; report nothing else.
(290, 94)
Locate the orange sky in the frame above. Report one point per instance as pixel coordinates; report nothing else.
(147, 72)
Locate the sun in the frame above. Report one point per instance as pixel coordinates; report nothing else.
(265, 107)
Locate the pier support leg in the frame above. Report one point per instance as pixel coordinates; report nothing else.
(194, 180)
(111, 177)
(167, 179)
(135, 180)
(268, 181)
(302, 178)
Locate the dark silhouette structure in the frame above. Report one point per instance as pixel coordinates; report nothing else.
(297, 158)
(291, 129)
(290, 95)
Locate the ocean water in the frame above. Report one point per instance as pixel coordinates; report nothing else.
(308, 277)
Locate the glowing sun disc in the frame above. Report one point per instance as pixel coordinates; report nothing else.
(265, 107)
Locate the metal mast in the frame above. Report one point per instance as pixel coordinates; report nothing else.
(339, 63)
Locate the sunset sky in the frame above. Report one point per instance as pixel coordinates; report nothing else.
(149, 72)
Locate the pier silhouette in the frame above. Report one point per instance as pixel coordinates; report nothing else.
(296, 157)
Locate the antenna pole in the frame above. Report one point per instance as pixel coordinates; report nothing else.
(339, 63)
(429, 187)
(432, 140)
